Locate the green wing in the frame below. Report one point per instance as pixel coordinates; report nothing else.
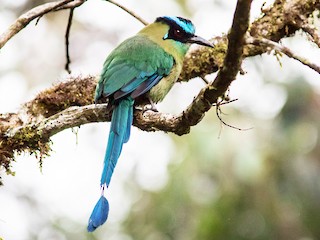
(134, 67)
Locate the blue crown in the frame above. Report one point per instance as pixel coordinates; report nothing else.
(178, 22)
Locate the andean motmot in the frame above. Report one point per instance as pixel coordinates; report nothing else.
(145, 65)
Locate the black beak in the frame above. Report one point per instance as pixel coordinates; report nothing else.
(200, 41)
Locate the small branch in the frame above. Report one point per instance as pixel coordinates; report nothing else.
(295, 17)
(219, 112)
(313, 32)
(236, 39)
(283, 49)
(73, 117)
(129, 11)
(67, 66)
(231, 66)
(70, 5)
(27, 17)
(308, 28)
(279, 21)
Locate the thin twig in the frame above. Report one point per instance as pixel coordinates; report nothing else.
(38, 20)
(283, 49)
(313, 32)
(73, 4)
(144, 22)
(225, 102)
(67, 66)
(205, 80)
(27, 17)
(219, 112)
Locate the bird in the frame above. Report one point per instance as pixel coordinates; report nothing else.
(144, 66)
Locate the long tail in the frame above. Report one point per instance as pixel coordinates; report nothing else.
(121, 122)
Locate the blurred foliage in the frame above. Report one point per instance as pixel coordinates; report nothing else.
(207, 197)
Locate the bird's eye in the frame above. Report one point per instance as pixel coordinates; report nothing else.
(177, 33)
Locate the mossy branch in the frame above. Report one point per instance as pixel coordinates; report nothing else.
(70, 103)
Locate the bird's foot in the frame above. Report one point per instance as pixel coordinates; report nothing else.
(153, 105)
(150, 107)
(147, 107)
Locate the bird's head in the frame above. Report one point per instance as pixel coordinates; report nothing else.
(181, 30)
(174, 34)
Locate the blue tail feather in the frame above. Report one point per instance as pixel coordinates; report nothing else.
(121, 122)
(129, 124)
(99, 214)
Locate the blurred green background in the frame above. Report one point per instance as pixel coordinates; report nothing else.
(214, 183)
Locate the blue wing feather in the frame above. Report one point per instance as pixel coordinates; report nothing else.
(126, 73)
(146, 85)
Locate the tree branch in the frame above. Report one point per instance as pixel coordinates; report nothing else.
(283, 49)
(313, 32)
(70, 103)
(136, 16)
(27, 17)
(68, 61)
(231, 66)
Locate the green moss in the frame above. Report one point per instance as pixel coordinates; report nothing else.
(26, 139)
(204, 60)
(76, 92)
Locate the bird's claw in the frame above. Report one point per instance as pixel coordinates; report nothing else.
(150, 107)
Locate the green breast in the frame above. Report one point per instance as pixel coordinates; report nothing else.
(158, 92)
